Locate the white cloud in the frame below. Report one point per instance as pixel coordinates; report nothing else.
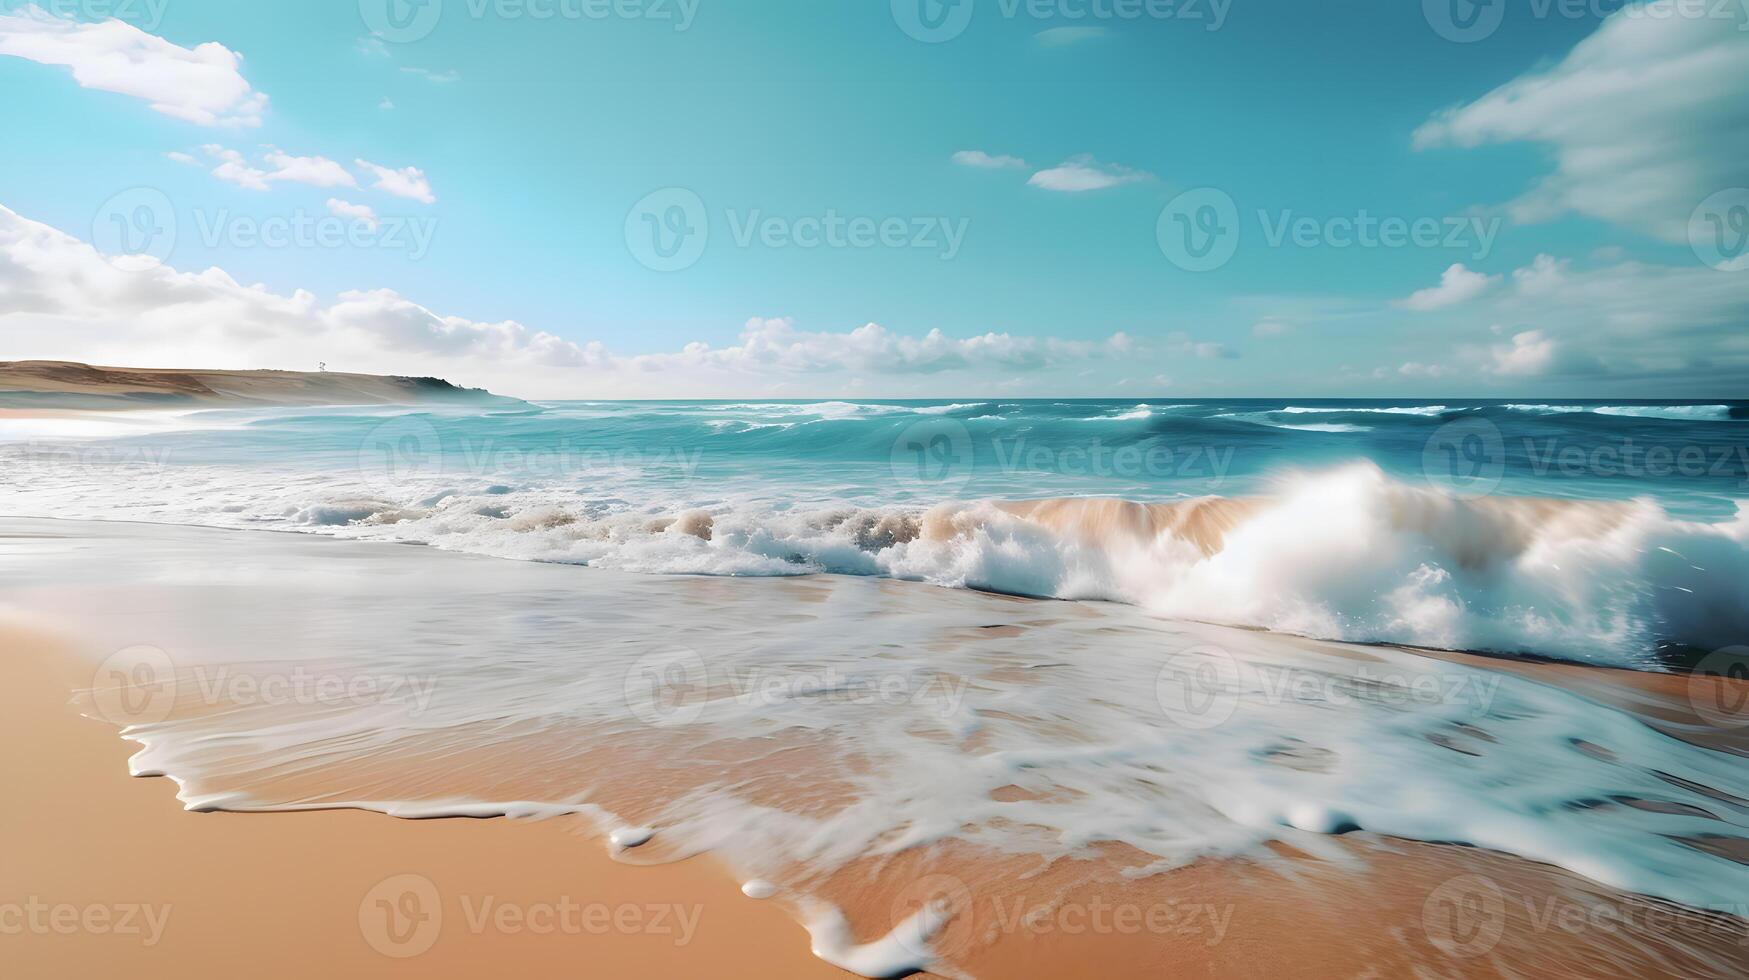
(408, 182)
(1270, 327)
(978, 158)
(1184, 344)
(1530, 353)
(60, 298)
(234, 169)
(776, 344)
(386, 103)
(1650, 329)
(1056, 37)
(436, 77)
(359, 212)
(181, 157)
(1084, 173)
(1456, 285)
(1416, 369)
(316, 171)
(202, 85)
(1645, 118)
(1544, 274)
(277, 167)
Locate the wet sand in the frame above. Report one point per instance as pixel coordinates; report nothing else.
(106, 875)
(304, 893)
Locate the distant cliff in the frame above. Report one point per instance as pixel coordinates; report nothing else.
(70, 385)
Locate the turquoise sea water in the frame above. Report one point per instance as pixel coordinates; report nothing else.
(1417, 522)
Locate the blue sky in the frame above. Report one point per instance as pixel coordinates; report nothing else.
(1028, 158)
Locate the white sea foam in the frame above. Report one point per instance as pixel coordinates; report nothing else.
(1684, 413)
(1345, 554)
(1395, 410)
(1328, 427)
(1181, 740)
(1136, 414)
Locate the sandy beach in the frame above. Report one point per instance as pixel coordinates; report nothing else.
(107, 875)
(540, 897)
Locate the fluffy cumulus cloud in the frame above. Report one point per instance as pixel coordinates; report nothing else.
(1530, 353)
(357, 212)
(275, 165)
(986, 161)
(1184, 345)
(61, 298)
(1611, 325)
(1084, 173)
(202, 85)
(1645, 117)
(407, 182)
(777, 345)
(1456, 285)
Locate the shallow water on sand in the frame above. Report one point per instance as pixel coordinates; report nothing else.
(802, 728)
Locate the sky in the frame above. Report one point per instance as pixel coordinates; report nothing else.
(913, 198)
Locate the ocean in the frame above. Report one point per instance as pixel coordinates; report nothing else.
(1099, 642)
(1607, 533)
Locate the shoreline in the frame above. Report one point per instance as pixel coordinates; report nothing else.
(155, 890)
(1213, 918)
(1667, 665)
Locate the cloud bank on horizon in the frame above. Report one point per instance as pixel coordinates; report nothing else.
(1641, 121)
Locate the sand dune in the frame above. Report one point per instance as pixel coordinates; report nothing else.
(71, 385)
